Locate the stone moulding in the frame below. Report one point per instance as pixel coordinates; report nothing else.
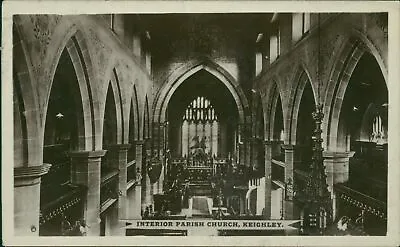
(31, 171)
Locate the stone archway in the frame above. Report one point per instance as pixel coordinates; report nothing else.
(76, 47)
(271, 103)
(29, 107)
(299, 84)
(177, 78)
(339, 79)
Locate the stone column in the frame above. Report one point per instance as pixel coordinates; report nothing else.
(337, 167)
(268, 178)
(247, 142)
(241, 146)
(289, 164)
(242, 202)
(146, 185)
(86, 167)
(117, 155)
(162, 139)
(337, 171)
(135, 195)
(27, 199)
(158, 138)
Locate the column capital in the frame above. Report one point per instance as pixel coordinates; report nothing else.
(31, 171)
(139, 142)
(337, 155)
(289, 146)
(87, 154)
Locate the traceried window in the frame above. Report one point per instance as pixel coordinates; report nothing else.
(200, 126)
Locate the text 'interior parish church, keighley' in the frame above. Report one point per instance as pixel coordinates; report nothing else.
(192, 116)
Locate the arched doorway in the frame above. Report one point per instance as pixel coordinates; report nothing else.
(64, 132)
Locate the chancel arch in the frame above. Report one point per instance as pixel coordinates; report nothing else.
(175, 80)
(203, 108)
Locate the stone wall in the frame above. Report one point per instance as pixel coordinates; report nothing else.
(99, 58)
(44, 37)
(337, 35)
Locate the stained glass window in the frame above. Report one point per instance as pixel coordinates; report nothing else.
(200, 123)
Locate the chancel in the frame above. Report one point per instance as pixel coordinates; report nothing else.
(200, 117)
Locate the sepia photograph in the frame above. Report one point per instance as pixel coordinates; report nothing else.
(200, 123)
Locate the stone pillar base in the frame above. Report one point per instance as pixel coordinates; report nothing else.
(288, 210)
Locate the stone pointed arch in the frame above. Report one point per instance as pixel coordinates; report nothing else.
(77, 49)
(299, 82)
(24, 85)
(352, 51)
(146, 119)
(271, 101)
(113, 85)
(119, 101)
(257, 108)
(133, 102)
(124, 93)
(180, 75)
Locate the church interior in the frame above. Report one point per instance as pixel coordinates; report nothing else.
(254, 116)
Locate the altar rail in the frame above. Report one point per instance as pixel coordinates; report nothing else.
(368, 212)
(210, 166)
